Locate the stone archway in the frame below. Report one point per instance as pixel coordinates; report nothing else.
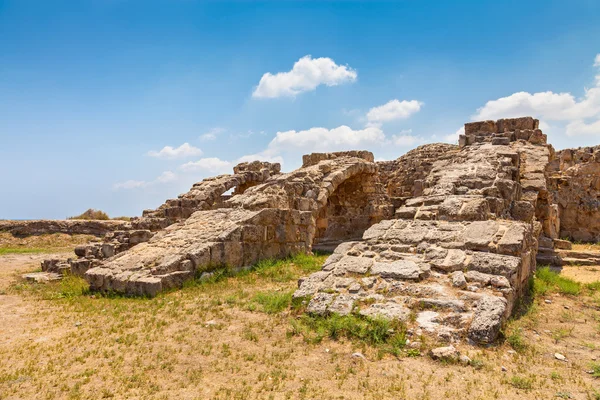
(350, 210)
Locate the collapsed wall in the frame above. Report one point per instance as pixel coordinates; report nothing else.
(459, 254)
(274, 219)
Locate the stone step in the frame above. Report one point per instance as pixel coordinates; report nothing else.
(543, 260)
(580, 261)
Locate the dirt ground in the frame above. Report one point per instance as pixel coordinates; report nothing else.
(219, 341)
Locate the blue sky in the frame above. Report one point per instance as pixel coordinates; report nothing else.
(92, 92)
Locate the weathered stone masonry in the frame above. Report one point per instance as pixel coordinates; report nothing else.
(449, 234)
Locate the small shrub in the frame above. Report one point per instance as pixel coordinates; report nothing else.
(91, 214)
(521, 383)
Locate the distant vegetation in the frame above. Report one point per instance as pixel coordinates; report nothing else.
(96, 214)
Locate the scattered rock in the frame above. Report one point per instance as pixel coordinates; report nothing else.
(448, 353)
(560, 357)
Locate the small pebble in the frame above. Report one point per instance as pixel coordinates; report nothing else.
(77, 323)
(560, 357)
(548, 301)
(359, 355)
(567, 307)
(504, 369)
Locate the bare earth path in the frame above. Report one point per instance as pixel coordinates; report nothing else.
(221, 341)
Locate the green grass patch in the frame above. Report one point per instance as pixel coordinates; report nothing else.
(68, 287)
(22, 250)
(387, 335)
(549, 281)
(273, 302)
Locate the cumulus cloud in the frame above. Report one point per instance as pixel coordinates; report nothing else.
(183, 151)
(576, 128)
(561, 107)
(211, 164)
(323, 139)
(165, 177)
(306, 74)
(393, 110)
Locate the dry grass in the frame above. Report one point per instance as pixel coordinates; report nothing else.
(586, 246)
(241, 337)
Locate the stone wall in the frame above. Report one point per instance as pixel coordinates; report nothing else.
(68, 226)
(574, 183)
(403, 177)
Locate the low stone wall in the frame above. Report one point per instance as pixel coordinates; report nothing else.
(208, 240)
(68, 226)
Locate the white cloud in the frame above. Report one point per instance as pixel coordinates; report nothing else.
(564, 108)
(453, 137)
(212, 134)
(547, 105)
(306, 74)
(211, 164)
(165, 177)
(405, 138)
(393, 110)
(323, 139)
(183, 151)
(576, 128)
(130, 184)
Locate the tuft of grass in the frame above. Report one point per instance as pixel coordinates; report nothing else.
(595, 367)
(273, 302)
(516, 340)
(549, 281)
(521, 382)
(593, 286)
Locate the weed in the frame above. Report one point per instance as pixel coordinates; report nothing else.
(595, 367)
(521, 382)
(516, 341)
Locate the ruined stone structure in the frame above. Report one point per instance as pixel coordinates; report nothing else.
(444, 238)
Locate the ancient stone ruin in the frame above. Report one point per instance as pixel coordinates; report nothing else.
(445, 238)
